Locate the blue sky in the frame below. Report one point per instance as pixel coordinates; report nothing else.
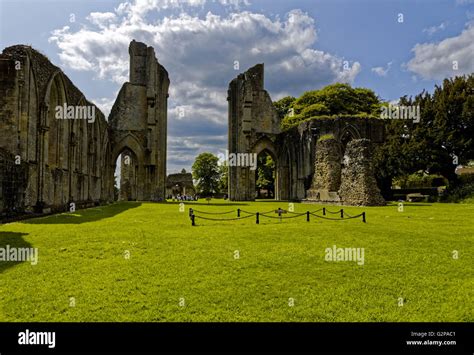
(305, 44)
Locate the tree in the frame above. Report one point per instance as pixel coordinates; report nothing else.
(183, 171)
(266, 174)
(332, 100)
(224, 178)
(443, 138)
(206, 172)
(283, 105)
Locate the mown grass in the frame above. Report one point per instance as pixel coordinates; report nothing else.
(408, 255)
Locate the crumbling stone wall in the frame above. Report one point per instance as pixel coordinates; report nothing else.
(181, 184)
(138, 122)
(253, 127)
(305, 169)
(63, 158)
(13, 182)
(327, 175)
(358, 184)
(73, 160)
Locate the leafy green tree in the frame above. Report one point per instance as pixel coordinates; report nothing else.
(335, 99)
(224, 178)
(206, 173)
(265, 174)
(443, 137)
(284, 105)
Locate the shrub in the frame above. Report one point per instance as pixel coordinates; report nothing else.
(420, 179)
(459, 193)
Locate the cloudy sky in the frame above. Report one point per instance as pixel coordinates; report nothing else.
(392, 47)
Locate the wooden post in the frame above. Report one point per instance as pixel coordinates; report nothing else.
(307, 216)
(238, 212)
(257, 221)
(342, 213)
(192, 220)
(363, 217)
(324, 211)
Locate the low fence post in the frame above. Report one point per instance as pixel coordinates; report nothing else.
(191, 212)
(324, 211)
(307, 216)
(363, 217)
(342, 213)
(192, 220)
(257, 221)
(238, 212)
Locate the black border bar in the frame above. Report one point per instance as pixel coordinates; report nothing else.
(228, 337)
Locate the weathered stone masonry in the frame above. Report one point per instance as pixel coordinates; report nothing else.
(305, 169)
(138, 123)
(47, 163)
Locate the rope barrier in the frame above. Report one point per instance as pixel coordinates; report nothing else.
(343, 215)
(334, 212)
(253, 213)
(280, 217)
(341, 219)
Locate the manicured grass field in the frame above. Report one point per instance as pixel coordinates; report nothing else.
(177, 272)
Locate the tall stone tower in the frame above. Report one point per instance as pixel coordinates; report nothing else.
(253, 127)
(138, 123)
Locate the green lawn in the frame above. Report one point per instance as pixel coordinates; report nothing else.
(408, 256)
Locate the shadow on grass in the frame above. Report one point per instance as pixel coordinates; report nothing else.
(10, 240)
(86, 215)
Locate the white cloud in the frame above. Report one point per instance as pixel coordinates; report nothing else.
(199, 53)
(382, 71)
(102, 19)
(439, 60)
(433, 29)
(105, 105)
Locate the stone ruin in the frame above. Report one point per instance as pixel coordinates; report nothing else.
(358, 184)
(327, 172)
(309, 158)
(47, 163)
(347, 178)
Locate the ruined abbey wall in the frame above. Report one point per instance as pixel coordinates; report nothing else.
(138, 122)
(63, 159)
(307, 167)
(50, 158)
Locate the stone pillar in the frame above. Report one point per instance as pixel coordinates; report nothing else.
(358, 184)
(327, 174)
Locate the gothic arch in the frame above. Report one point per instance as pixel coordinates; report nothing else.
(265, 143)
(348, 133)
(131, 142)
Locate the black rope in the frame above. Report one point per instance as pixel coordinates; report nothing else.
(305, 212)
(337, 219)
(254, 213)
(281, 217)
(348, 215)
(280, 211)
(333, 212)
